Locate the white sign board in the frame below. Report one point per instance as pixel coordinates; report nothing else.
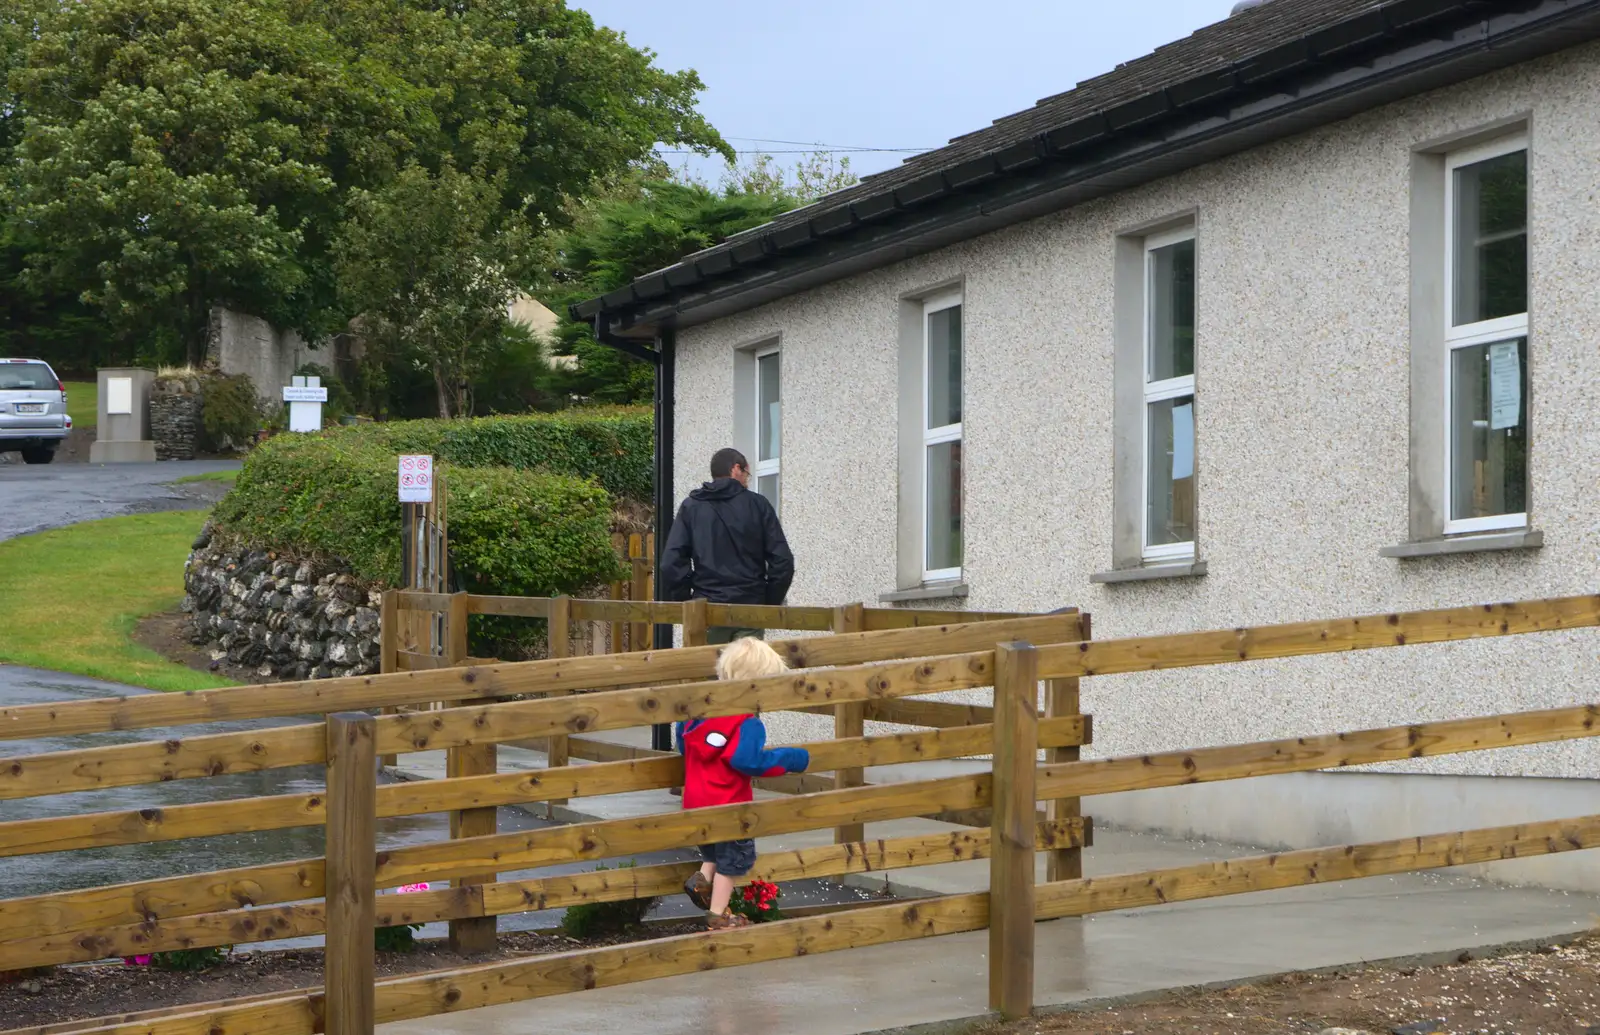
(416, 479)
(305, 397)
(1505, 386)
(119, 395)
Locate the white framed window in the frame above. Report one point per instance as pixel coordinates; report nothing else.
(1168, 507)
(768, 409)
(941, 437)
(1486, 337)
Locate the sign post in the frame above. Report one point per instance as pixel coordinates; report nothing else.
(305, 396)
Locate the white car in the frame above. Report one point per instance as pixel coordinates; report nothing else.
(33, 409)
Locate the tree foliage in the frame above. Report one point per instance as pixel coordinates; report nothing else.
(174, 155)
(650, 220)
(432, 263)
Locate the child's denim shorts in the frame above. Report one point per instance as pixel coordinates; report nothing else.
(732, 858)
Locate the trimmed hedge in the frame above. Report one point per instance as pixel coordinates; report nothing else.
(614, 446)
(519, 532)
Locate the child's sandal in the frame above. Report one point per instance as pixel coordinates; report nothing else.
(698, 888)
(727, 920)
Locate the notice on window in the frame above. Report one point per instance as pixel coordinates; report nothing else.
(1505, 386)
(1182, 441)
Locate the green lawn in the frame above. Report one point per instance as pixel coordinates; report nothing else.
(69, 599)
(83, 403)
(210, 476)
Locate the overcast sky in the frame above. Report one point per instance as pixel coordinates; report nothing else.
(887, 73)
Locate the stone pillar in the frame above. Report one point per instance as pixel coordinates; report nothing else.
(124, 432)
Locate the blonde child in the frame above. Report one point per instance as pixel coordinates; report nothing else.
(721, 756)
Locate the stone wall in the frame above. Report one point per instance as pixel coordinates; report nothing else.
(282, 618)
(238, 343)
(175, 425)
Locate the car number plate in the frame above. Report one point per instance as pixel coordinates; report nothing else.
(30, 407)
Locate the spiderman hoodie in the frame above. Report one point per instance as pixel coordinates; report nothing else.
(721, 756)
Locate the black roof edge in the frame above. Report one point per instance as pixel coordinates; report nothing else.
(1197, 100)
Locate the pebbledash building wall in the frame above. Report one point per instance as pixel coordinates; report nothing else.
(1319, 367)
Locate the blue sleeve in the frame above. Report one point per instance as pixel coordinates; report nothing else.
(677, 736)
(752, 757)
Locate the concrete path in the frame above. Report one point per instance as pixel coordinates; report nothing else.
(39, 497)
(1112, 954)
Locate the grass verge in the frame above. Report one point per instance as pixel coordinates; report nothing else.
(69, 598)
(210, 476)
(83, 403)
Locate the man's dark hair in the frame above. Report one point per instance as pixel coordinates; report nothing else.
(723, 461)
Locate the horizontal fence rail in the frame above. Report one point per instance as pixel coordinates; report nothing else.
(277, 812)
(671, 612)
(602, 672)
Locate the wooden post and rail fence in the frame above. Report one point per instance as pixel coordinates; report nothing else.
(340, 894)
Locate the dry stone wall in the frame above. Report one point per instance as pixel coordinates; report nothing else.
(285, 619)
(175, 425)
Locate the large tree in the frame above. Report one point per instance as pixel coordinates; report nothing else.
(179, 154)
(432, 263)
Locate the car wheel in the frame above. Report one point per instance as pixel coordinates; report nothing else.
(41, 455)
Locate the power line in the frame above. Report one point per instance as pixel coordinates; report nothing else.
(830, 147)
(816, 151)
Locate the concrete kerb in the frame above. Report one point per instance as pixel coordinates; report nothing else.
(978, 1023)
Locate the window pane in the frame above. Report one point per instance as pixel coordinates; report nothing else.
(768, 409)
(1170, 511)
(1491, 239)
(1489, 430)
(944, 367)
(944, 506)
(767, 485)
(1172, 311)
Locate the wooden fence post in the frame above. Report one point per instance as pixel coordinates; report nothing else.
(473, 934)
(694, 622)
(389, 647)
(1011, 887)
(849, 720)
(348, 970)
(1061, 698)
(560, 634)
(638, 591)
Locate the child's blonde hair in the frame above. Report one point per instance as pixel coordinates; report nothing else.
(749, 658)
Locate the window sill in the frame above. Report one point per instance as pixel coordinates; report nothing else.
(1524, 539)
(931, 591)
(1179, 570)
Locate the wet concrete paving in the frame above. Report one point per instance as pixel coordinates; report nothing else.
(38, 497)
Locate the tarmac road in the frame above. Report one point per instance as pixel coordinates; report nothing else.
(38, 497)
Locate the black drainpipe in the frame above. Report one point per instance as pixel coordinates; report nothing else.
(666, 374)
(664, 358)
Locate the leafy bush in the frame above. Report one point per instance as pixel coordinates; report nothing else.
(599, 919)
(521, 533)
(399, 938)
(231, 412)
(614, 446)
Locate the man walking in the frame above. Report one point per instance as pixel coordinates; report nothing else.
(726, 545)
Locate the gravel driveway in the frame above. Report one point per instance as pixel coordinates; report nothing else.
(37, 497)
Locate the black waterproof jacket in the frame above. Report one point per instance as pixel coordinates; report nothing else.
(727, 546)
